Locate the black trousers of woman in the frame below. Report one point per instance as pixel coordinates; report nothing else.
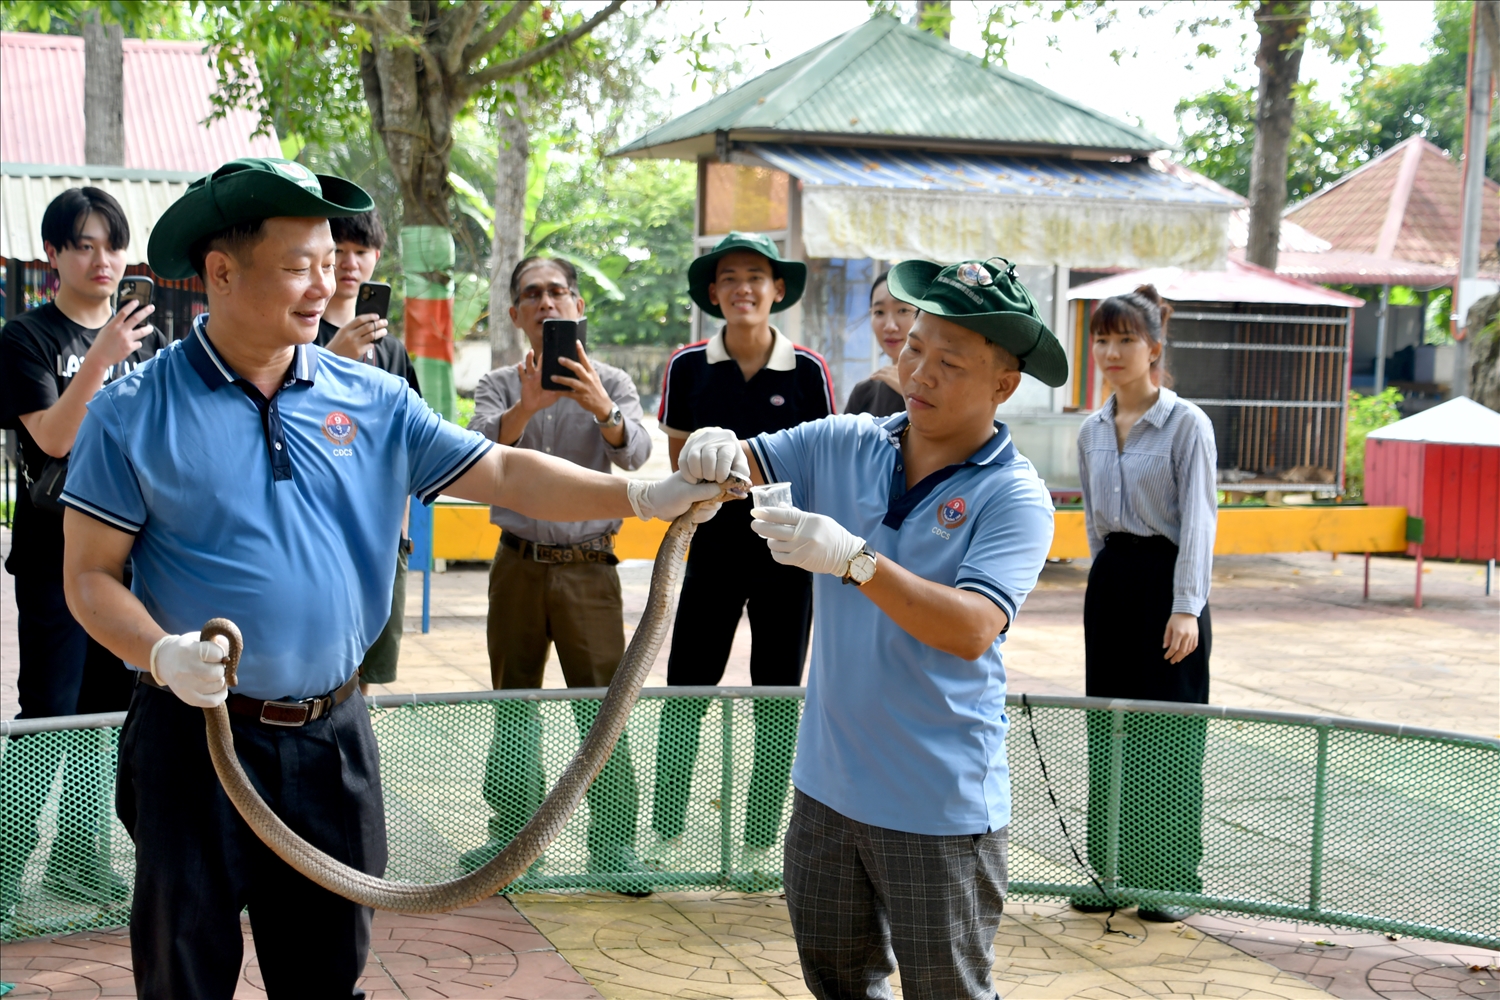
(729, 567)
(1125, 612)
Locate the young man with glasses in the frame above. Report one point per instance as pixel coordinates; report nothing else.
(555, 582)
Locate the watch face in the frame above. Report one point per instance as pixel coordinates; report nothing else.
(862, 568)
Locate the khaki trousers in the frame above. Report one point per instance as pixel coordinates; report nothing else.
(575, 605)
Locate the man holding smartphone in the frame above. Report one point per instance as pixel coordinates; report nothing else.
(345, 331)
(556, 582)
(52, 360)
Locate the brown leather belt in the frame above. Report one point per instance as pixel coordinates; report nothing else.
(279, 713)
(594, 550)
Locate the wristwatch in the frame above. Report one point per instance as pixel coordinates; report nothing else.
(861, 567)
(614, 419)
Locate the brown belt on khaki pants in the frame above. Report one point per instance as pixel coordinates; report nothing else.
(279, 713)
(594, 550)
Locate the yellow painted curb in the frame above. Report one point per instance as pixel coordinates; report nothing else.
(464, 532)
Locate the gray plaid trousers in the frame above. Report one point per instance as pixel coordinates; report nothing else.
(865, 900)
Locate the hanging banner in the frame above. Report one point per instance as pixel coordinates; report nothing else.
(427, 257)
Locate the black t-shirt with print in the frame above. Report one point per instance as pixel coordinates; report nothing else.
(390, 354)
(40, 352)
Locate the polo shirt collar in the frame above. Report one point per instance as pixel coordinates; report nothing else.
(215, 371)
(999, 450)
(783, 351)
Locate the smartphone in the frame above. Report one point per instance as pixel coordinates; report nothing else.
(374, 297)
(135, 288)
(560, 338)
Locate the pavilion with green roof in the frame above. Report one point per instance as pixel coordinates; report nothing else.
(887, 142)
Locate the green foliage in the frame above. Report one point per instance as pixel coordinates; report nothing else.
(634, 220)
(136, 18)
(1218, 136)
(1382, 106)
(1366, 413)
(465, 411)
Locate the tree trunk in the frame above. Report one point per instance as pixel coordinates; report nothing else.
(1281, 25)
(507, 344)
(103, 93)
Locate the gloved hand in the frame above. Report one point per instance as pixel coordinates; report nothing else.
(668, 498)
(814, 542)
(192, 669)
(710, 454)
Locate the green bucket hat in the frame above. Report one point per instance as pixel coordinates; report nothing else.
(989, 300)
(244, 191)
(701, 272)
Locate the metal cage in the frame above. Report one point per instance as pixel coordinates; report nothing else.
(1274, 380)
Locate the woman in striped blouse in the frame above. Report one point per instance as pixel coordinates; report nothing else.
(1146, 462)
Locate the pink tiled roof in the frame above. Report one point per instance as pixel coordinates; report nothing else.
(167, 90)
(1405, 204)
(1238, 282)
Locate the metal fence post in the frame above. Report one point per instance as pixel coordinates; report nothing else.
(1320, 810)
(1116, 779)
(726, 788)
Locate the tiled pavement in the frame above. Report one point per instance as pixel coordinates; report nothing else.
(708, 946)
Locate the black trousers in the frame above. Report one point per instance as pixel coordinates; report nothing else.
(1125, 612)
(198, 865)
(63, 672)
(728, 568)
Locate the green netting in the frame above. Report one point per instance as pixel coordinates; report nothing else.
(1362, 825)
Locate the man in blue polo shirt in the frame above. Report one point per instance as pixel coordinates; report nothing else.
(896, 851)
(249, 474)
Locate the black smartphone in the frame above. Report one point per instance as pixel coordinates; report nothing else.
(135, 288)
(374, 297)
(560, 338)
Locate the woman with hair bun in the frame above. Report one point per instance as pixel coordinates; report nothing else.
(1146, 461)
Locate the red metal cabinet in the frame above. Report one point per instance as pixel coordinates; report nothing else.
(1453, 488)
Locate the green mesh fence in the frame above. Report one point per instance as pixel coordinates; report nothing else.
(1359, 824)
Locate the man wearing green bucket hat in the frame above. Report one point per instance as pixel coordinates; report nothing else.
(248, 474)
(750, 379)
(896, 852)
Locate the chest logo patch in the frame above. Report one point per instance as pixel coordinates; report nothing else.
(778, 400)
(338, 428)
(953, 513)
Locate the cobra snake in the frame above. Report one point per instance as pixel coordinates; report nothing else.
(551, 816)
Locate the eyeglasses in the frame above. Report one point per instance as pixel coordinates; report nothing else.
(533, 295)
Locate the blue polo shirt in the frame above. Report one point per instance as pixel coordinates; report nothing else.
(281, 515)
(895, 733)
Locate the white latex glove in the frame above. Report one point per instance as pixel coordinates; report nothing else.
(192, 669)
(814, 542)
(710, 454)
(668, 498)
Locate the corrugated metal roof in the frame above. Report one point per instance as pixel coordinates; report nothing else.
(886, 80)
(1240, 282)
(168, 86)
(1013, 176)
(1405, 204)
(25, 193)
(1458, 421)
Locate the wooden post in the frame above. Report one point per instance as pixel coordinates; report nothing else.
(1367, 576)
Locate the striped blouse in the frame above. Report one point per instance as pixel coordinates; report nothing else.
(1162, 483)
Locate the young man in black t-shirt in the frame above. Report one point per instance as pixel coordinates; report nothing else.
(751, 379)
(358, 240)
(52, 360)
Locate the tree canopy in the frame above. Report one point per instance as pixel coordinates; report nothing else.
(1376, 110)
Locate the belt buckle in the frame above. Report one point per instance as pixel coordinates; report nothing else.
(305, 708)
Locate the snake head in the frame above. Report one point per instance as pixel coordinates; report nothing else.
(736, 487)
